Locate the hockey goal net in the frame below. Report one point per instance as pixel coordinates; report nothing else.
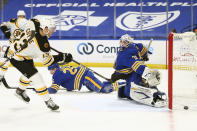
(182, 70)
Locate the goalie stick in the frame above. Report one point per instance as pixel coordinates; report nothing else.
(84, 66)
(150, 42)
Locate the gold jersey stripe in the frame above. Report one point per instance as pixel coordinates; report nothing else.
(78, 78)
(93, 82)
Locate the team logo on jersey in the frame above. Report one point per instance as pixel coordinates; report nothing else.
(85, 48)
(132, 21)
(17, 33)
(69, 19)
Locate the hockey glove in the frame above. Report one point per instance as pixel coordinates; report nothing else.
(64, 58)
(151, 76)
(7, 34)
(5, 31)
(67, 57)
(145, 58)
(115, 76)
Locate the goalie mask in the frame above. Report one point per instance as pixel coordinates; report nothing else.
(125, 40)
(47, 25)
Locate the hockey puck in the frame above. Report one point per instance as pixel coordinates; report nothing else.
(186, 107)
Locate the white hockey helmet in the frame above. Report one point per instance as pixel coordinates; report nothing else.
(21, 13)
(47, 23)
(125, 40)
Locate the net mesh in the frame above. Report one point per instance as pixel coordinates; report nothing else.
(184, 70)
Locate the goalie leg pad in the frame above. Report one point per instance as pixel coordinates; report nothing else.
(148, 96)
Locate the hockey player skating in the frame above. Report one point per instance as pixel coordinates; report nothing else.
(22, 52)
(10, 29)
(12, 32)
(141, 81)
(72, 78)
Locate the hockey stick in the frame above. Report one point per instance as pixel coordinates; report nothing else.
(84, 66)
(92, 70)
(150, 42)
(9, 87)
(9, 58)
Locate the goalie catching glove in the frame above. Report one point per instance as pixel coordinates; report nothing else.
(152, 77)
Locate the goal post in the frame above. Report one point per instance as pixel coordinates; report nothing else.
(182, 70)
(170, 70)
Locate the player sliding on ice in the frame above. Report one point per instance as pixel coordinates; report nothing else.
(33, 43)
(72, 78)
(141, 81)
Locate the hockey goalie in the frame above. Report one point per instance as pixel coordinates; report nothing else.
(141, 81)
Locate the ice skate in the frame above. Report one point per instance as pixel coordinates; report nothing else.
(21, 94)
(121, 94)
(50, 104)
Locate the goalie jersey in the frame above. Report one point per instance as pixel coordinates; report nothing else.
(130, 59)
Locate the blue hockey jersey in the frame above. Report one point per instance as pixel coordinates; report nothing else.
(129, 61)
(68, 77)
(73, 78)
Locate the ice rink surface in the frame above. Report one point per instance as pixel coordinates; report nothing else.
(87, 111)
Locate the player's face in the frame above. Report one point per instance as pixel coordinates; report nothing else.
(47, 32)
(21, 16)
(53, 71)
(51, 32)
(123, 43)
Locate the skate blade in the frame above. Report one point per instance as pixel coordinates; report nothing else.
(56, 111)
(19, 97)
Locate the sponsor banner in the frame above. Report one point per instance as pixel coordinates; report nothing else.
(99, 51)
(73, 20)
(104, 51)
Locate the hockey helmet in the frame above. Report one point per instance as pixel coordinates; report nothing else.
(47, 22)
(21, 13)
(125, 40)
(51, 67)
